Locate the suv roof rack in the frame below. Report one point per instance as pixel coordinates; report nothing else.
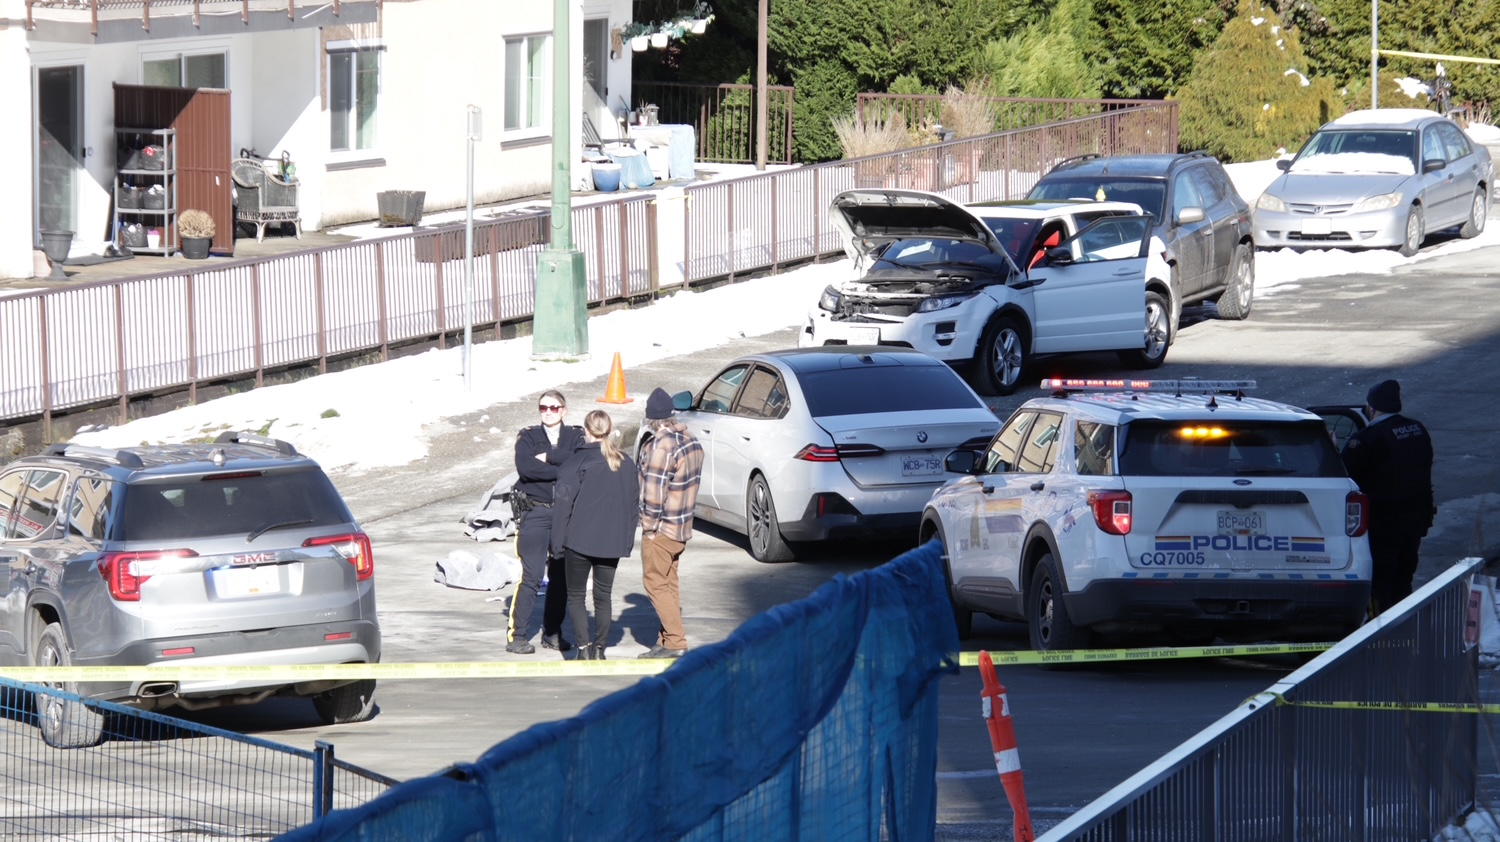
(1076, 159)
(246, 437)
(1199, 153)
(123, 458)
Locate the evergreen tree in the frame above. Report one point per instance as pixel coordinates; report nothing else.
(1247, 97)
(1144, 50)
(1045, 59)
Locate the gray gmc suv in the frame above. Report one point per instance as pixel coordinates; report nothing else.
(234, 552)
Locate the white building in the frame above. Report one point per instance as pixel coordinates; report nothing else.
(364, 95)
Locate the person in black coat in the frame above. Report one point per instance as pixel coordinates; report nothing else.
(540, 451)
(1391, 460)
(596, 513)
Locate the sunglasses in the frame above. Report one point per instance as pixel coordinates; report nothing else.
(548, 407)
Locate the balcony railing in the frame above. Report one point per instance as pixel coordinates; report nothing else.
(723, 118)
(1010, 112)
(100, 15)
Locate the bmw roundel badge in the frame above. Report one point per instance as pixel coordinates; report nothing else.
(921, 436)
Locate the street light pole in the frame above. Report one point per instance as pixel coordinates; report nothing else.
(560, 321)
(1374, 53)
(473, 131)
(762, 109)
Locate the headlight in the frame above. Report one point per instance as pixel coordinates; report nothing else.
(1374, 203)
(830, 300)
(1270, 203)
(944, 302)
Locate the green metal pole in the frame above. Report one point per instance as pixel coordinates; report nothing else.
(560, 322)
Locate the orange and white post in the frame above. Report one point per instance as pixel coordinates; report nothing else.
(1003, 741)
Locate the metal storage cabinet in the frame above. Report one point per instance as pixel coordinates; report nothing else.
(133, 180)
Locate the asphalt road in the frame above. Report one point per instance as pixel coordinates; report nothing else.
(1319, 341)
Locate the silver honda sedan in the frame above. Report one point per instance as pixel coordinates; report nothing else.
(810, 444)
(1377, 178)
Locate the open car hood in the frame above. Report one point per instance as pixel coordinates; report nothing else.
(868, 219)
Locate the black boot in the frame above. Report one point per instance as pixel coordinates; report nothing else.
(585, 652)
(598, 649)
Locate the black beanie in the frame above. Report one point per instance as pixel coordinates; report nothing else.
(1385, 396)
(658, 405)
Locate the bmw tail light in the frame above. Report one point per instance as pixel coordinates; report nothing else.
(126, 572)
(355, 549)
(818, 453)
(1111, 511)
(1356, 514)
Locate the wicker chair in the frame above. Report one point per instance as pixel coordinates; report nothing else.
(263, 197)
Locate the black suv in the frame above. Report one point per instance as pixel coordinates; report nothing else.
(236, 552)
(1200, 217)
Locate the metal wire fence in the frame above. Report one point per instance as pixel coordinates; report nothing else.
(154, 777)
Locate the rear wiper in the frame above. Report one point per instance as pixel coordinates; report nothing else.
(280, 524)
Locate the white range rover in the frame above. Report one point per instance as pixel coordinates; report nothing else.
(986, 287)
(1180, 511)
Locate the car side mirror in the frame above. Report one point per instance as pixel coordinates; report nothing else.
(1187, 216)
(1283, 164)
(1059, 256)
(1433, 165)
(682, 400)
(961, 461)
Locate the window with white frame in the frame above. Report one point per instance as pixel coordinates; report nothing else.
(526, 80)
(353, 96)
(186, 70)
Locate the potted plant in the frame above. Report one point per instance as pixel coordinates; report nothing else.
(638, 34)
(698, 20)
(660, 37)
(197, 230)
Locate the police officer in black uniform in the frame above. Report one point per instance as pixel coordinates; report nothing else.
(540, 450)
(1391, 459)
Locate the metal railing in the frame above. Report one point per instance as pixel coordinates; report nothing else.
(1010, 112)
(158, 778)
(144, 9)
(1275, 769)
(723, 118)
(92, 344)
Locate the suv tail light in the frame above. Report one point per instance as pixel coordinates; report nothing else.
(1111, 511)
(126, 572)
(1356, 514)
(354, 547)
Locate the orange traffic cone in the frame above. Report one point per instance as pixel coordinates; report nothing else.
(614, 391)
(1003, 741)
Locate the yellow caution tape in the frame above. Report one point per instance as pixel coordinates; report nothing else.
(1094, 656)
(1429, 707)
(293, 673)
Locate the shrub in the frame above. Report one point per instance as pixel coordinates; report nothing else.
(824, 91)
(1247, 96)
(871, 137)
(969, 113)
(195, 224)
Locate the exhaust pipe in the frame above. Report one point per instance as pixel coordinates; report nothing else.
(157, 689)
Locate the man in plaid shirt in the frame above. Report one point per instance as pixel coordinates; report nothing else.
(671, 464)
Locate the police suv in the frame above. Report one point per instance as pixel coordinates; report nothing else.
(1179, 510)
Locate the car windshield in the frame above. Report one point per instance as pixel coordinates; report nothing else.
(230, 504)
(885, 388)
(1013, 234)
(1212, 448)
(929, 253)
(1362, 151)
(1150, 194)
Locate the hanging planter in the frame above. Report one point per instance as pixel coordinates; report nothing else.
(659, 39)
(640, 42)
(698, 26)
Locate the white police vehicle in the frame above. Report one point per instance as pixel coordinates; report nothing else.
(1177, 510)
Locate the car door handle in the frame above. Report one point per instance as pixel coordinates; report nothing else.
(1038, 485)
(987, 489)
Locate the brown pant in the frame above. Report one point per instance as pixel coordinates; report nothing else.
(659, 574)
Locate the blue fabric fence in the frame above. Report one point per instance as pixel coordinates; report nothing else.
(817, 720)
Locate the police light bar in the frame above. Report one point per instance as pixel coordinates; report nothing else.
(1070, 384)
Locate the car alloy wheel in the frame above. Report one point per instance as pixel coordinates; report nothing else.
(761, 525)
(1415, 232)
(1478, 212)
(1002, 357)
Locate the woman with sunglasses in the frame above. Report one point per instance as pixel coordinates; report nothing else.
(540, 450)
(597, 512)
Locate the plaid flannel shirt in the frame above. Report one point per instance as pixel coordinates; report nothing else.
(671, 467)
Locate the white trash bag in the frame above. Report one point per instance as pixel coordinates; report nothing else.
(489, 571)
